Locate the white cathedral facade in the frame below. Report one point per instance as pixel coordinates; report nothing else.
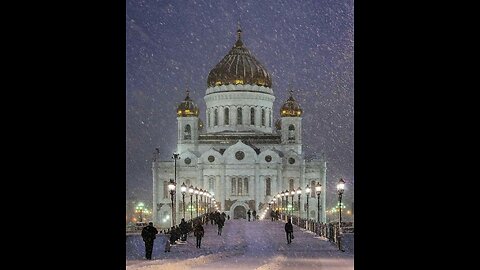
(240, 155)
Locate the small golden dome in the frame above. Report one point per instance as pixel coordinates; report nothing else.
(187, 108)
(239, 67)
(291, 108)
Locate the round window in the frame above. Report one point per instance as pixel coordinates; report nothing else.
(239, 155)
(211, 158)
(291, 160)
(268, 158)
(188, 161)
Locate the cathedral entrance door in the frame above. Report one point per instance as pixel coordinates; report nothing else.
(239, 212)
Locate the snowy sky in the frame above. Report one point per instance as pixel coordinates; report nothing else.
(172, 45)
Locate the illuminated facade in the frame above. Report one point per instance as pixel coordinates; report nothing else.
(240, 154)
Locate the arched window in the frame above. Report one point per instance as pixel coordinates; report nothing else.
(269, 118)
(290, 184)
(227, 117)
(312, 186)
(268, 184)
(245, 186)
(208, 118)
(211, 184)
(215, 117)
(263, 117)
(240, 185)
(239, 116)
(165, 189)
(187, 134)
(291, 132)
(187, 182)
(252, 116)
(234, 186)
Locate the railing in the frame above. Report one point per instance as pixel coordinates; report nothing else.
(329, 231)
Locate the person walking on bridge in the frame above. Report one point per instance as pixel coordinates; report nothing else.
(289, 230)
(149, 234)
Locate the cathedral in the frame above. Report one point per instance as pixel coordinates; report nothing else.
(240, 155)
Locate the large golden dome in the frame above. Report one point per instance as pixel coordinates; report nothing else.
(239, 67)
(187, 108)
(291, 108)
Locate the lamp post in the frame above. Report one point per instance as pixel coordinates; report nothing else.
(299, 192)
(340, 189)
(190, 191)
(196, 199)
(292, 192)
(183, 188)
(318, 190)
(307, 193)
(171, 188)
(200, 192)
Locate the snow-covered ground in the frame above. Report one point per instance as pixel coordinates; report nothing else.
(260, 245)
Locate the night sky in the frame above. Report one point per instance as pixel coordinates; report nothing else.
(304, 45)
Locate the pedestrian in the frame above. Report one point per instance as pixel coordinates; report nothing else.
(289, 231)
(183, 230)
(198, 232)
(248, 214)
(149, 234)
(228, 216)
(254, 214)
(220, 223)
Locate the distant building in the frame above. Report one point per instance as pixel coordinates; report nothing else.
(241, 154)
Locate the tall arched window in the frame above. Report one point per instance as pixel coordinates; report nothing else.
(215, 117)
(240, 185)
(252, 116)
(268, 184)
(208, 118)
(312, 186)
(291, 132)
(239, 116)
(227, 117)
(234, 186)
(211, 184)
(269, 118)
(187, 134)
(245, 186)
(187, 182)
(290, 184)
(263, 117)
(165, 189)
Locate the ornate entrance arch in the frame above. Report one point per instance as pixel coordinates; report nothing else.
(239, 210)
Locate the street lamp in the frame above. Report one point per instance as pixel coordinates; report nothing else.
(340, 189)
(171, 188)
(299, 192)
(318, 190)
(190, 190)
(292, 192)
(200, 192)
(183, 188)
(196, 199)
(175, 157)
(307, 193)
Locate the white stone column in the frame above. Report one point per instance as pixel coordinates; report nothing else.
(323, 175)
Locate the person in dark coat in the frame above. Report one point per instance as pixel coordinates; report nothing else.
(220, 223)
(183, 230)
(289, 230)
(254, 213)
(149, 234)
(198, 232)
(249, 214)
